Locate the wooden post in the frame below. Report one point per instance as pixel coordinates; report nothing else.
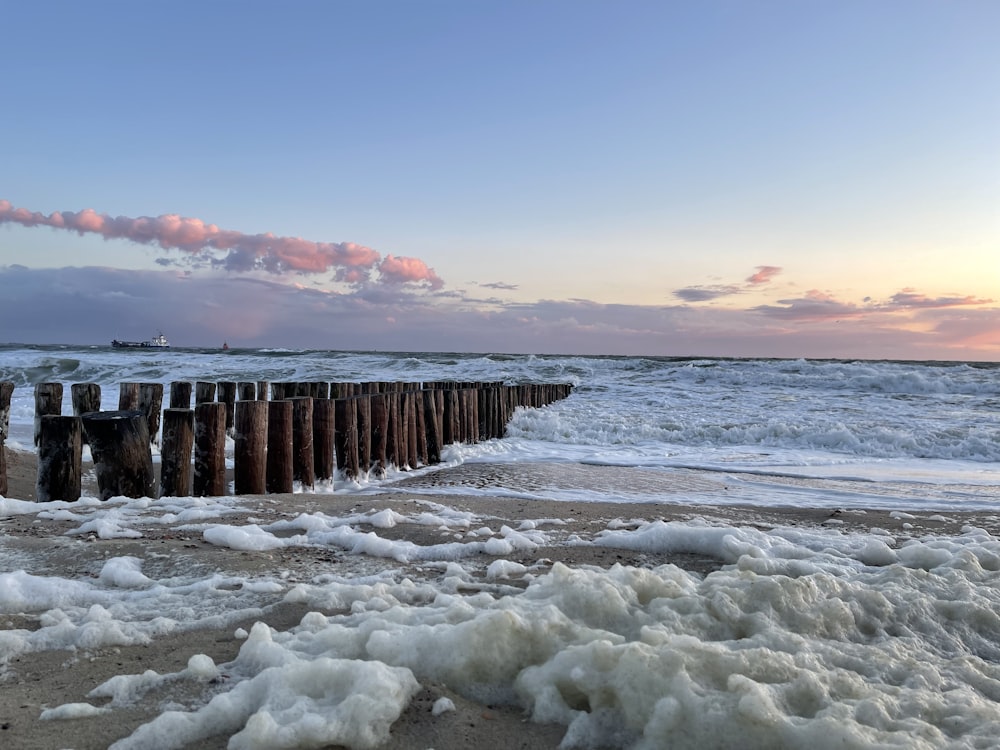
(86, 397)
(151, 403)
(180, 394)
(209, 449)
(324, 424)
(48, 400)
(119, 443)
(204, 392)
(420, 419)
(394, 438)
(3, 465)
(410, 424)
(246, 391)
(346, 436)
(451, 429)
(379, 432)
(364, 408)
(280, 469)
(302, 441)
(250, 447)
(432, 427)
(6, 391)
(175, 455)
(128, 396)
(227, 396)
(483, 412)
(262, 388)
(60, 447)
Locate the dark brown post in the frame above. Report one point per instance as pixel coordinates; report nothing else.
(344, 390)
(346, 436)
(175, 455)
(128, 396)
(180, 395)
(204, 392)
(420, 419)
(151, 402)
(324, 424)
(48, 400)
(262, 388)
(280, 465)
(280, 470)
(319, 389)
(119, 443)
(6, 391)
(227, 396)
(246, 391)
(451, 429)
(379, 432)
(485, 411)
(410, 424)
(3, 465)
(86, 397)
(394, 438)
(60, 447)
(209, 449)
(364, 408)
(471, 414)
(250, 447)
(432, 427)
(302, 441)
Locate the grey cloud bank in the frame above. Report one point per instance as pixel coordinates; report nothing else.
(92, 305)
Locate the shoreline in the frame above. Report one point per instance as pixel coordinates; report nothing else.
(40, 545)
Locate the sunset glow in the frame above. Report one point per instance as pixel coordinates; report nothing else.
(651, 178)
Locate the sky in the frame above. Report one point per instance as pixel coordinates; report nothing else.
(771, 178)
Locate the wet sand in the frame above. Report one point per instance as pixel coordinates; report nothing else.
(47, 679)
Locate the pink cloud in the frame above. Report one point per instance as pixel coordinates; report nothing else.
(764, 274)
(242, 252)
(402, 270)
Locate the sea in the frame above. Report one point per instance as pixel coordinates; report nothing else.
(883, 434)
(824, 636)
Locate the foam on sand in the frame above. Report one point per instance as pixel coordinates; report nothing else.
(804, 636)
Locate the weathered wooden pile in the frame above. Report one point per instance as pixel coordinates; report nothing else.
(305, 432)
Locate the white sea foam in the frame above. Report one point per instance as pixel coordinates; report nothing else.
(804, 636)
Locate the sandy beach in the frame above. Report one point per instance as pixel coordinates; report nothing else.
(37, 681)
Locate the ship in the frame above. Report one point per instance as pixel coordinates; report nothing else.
(157, 342)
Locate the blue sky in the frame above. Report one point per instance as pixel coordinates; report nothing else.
(716, 178)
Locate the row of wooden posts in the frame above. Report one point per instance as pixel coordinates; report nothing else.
(282, 433)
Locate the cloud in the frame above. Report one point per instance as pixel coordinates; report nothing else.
(401, 270)
(501, 286)
(705, 293)
(815, 305)
(207, 246)
(92, 305)
(764, 275)
(908, 298)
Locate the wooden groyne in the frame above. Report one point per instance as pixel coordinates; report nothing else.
(282, 432)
